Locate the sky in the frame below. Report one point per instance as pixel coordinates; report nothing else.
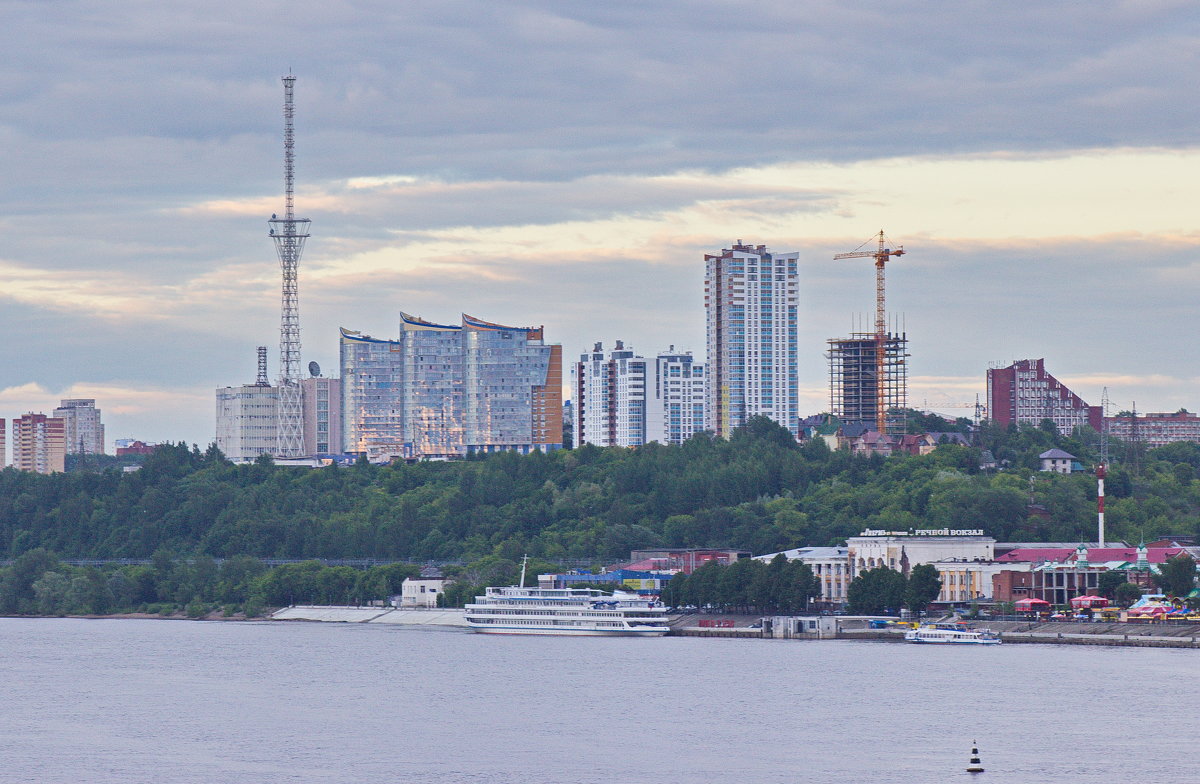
(569, 164)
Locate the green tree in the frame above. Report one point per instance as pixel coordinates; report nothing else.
(801, 587)
(876, 591)
(1108, 583)
(50, 591)
(1177, 576)
(16, 588)
(923, 586)
(1126, 594)
(702, 585)
(673, 590)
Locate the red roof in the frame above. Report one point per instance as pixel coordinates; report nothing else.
(1153, 554)
(1036, 554)
(1156, 555)
(648, 565)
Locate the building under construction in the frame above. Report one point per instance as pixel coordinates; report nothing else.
(864, 386)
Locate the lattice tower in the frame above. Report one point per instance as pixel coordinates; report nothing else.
(260, 380)
(289, 234)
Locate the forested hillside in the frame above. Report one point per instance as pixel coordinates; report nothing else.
(758, 491)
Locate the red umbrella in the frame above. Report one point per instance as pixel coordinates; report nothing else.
(1089, 601)
(1031, 604)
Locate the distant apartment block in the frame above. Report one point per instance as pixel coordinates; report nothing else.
(568, 420)
(85, 432)
(322, 411)
(675, 397)
(447, 390)
(39, 444)
(247, 421)
(1155, 429)
(611, 396)
(623, 399)
(750, 301)
(3, 449)
(1024, 393)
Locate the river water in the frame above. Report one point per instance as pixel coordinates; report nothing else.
(103, 701)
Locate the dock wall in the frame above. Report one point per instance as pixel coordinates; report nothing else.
(405, 617)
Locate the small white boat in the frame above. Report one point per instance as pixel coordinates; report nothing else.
(952, 634)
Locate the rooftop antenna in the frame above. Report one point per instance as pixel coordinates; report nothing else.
(261, 379)
(289, 234)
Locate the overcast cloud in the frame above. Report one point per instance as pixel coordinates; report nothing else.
(568, 164)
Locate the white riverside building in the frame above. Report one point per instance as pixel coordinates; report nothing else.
(623, 399)
(831, 565)
(421, 591)
(902, 550)
(965, 581)
(965, 561)
(750, 302)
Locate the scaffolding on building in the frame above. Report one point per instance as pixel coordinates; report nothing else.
(859, 379)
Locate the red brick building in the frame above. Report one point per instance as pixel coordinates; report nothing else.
(1024, 393)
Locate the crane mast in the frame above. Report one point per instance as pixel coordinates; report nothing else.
(881, 256)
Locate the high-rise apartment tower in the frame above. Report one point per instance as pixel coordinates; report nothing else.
(85, 432)
(627, 400)
(39, 444)
(751, 299)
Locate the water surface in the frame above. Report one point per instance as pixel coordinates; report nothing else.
(179, 701)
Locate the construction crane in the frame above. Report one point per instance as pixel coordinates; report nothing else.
(881, 256)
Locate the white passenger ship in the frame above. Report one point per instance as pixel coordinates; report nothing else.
(577, 611)
(952, 633)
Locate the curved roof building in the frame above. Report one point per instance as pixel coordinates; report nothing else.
(445, 390)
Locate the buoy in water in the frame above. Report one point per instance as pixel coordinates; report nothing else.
(974, 766)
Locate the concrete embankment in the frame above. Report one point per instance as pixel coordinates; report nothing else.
(1146, 635)
(746, 626)
(390, 615)
(1117, 634)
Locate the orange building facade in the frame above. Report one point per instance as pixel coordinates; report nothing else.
(39, 444)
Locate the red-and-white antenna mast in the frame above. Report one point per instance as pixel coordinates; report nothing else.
(289, 234)
(1102, 468)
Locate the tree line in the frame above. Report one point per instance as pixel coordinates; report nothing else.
(38, 583)
(758, 491)
(748, 585)
(884, 591)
